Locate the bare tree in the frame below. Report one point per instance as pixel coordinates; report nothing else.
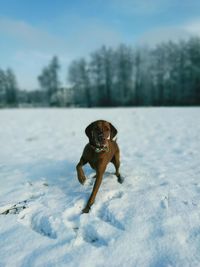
(11, 88)
(49, 80)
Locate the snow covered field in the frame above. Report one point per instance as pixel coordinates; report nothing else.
(152, 219)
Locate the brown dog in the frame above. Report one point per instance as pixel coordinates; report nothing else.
(100, 150)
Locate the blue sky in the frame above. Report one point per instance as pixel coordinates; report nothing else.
(32, 31)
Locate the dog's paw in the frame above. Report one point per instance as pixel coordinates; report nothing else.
(82, 179)
(120, 179)
(86, 209)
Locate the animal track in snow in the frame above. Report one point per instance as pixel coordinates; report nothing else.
(38, 222)
(164, 203)
(91, 236)
(114, 195)
(41, 224)
(197, 187)
(106, 215)
(71, 218)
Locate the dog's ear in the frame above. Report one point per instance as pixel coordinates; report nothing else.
(113, 131)
(88, 130)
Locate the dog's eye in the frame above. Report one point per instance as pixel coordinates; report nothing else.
(97, 129)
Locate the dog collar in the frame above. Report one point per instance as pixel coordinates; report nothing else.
(100, 149)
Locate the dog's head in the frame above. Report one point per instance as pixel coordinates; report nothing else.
(99, 132)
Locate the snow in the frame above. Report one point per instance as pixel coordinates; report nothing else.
(152, 219)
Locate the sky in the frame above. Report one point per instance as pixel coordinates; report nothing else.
(32, 31)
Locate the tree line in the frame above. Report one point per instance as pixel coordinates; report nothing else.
(8, 88)
(166, 75)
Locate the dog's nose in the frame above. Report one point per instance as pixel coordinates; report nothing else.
(101, 137)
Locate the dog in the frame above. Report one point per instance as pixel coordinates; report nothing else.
(100, 150)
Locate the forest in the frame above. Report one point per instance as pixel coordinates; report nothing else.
(165, 75)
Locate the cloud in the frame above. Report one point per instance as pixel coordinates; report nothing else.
(87, 34)
(175, 33)
(28, 35)
(93, 34)
(193, 26)
(163, 34)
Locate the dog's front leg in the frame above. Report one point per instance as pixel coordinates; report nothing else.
(80, 172)
(97, 184)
